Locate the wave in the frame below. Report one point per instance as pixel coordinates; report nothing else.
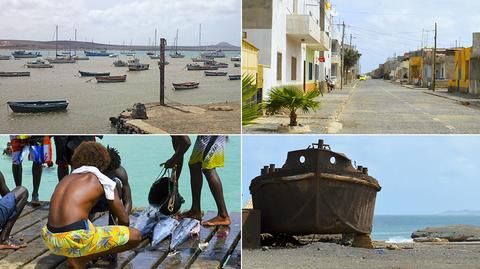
(399, 240)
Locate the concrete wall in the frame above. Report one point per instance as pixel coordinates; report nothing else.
(475, 65)
(257, 14)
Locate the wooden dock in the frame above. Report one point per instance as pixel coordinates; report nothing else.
(223, 251)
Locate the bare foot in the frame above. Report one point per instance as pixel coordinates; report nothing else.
(190, 214)
(217, 221)
(12, 244)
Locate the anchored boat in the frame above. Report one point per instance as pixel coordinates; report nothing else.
(197, 67)
(234, 77)
(20, 54)
(4, 57)
(185, 85)
(93, 74)
(101, 53)
(213, 54)
(14, 74)
(111, 79)
(216, 64)
(135, 65)
(39, 64)
(316, 191)
(215, 74)
(120, 63)
(38, 106)
(236, 59)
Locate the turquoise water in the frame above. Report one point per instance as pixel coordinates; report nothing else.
(141, 156)
(400, 228)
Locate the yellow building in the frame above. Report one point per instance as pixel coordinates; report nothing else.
(415, 69)
(250, 61)
(461, 75)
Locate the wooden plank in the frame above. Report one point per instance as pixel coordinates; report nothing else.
(189, 250)
(30, 219)
(29, 208)
(235, 260)
(221, 246)
(29, 234)
(149, 258)
(45, 261)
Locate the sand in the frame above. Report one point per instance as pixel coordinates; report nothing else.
(331, 255)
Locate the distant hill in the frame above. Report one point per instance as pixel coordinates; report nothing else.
(461, 213)
(81, 45)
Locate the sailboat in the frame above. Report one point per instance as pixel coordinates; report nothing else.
(77, 57)
(60, 60)
(176, 54)
(156, 56)
(200, 58)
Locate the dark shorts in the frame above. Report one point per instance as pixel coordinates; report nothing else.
(66, 145)
(8, 208)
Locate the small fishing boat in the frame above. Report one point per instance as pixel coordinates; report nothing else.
(120, 63)
(234, 77)
(200, 60)
(316, 191)
(38, 106)
(113, 55)
(185, 85)
(111, 79)
(20, 54)
(93, 74)
(14, 74)
(62, 60)
(135, 65)
(236, 65)
(150, 53)
(215, 74)
(197, 67)
(155, 57)
(216, 64)
(78, 58)
(101, 53)
(39, 64)
(4, 57)
(213, 54)
(235, 59)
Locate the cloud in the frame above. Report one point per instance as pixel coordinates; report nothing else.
(118, 21)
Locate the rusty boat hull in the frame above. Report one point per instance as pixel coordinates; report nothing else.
(317, 191)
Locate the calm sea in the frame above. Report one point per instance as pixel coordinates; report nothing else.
(399, 228)
(141, 156)
(92, 104)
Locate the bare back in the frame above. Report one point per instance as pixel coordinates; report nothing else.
(73, 199)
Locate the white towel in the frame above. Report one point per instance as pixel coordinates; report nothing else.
(107, 183)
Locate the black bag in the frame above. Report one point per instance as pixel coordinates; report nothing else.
(164, 193)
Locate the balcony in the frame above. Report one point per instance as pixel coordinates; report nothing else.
(335, 58)
(303, 28)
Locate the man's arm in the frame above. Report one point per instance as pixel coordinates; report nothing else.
(3, 186)
(180, 143)
(117, 209)
(121, 173)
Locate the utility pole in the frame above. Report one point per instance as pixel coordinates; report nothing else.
(434, 59)
(351, 37)
(163, 44)
(342, 51)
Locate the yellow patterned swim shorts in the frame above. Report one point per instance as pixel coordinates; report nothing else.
(81, 243)
(209, 151)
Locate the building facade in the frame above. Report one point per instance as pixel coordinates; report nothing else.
(290, 36)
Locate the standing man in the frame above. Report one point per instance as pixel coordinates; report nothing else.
(180, 144)
(11, 206)
(65, 145)
(38, 148)
(69, 232)
(207, 155)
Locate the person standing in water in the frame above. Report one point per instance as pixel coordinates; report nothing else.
(207, 155)
(68, 231)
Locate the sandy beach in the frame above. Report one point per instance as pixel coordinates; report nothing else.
(331, 255)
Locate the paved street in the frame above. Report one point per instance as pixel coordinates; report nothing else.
(379, 107)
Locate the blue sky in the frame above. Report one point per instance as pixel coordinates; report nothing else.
(383, 28)
(116, 21)
(418, 174)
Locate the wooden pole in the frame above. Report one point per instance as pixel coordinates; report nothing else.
(434, 77)
(163, 43)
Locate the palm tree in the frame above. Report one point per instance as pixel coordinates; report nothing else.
(292, 98)
(250, 110)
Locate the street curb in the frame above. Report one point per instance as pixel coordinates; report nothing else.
(335, 126)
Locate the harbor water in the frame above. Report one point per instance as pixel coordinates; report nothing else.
(92, 104)
(141, 156)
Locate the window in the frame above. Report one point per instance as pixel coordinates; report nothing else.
(467, 71)
(279, 66)
(317, 72)
(294, 68)
(244, 35)
(310, 71)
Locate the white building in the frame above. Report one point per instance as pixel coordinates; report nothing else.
(293, 37)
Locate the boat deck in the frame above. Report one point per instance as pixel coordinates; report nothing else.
(223, 249)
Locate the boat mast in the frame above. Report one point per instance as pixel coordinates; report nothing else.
(176, 43)
(56, 41)
(75, 42)
(155, 41)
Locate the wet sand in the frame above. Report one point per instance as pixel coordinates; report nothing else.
(92, 104)
(330, 255)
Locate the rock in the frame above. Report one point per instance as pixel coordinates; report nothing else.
(139, 111)
(429, 240)
(220, 108)
(454, 233)
(362, 241)
(392, 247)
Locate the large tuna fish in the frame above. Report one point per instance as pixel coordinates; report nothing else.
(185, 229)
(162, 230)
(146, 220)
